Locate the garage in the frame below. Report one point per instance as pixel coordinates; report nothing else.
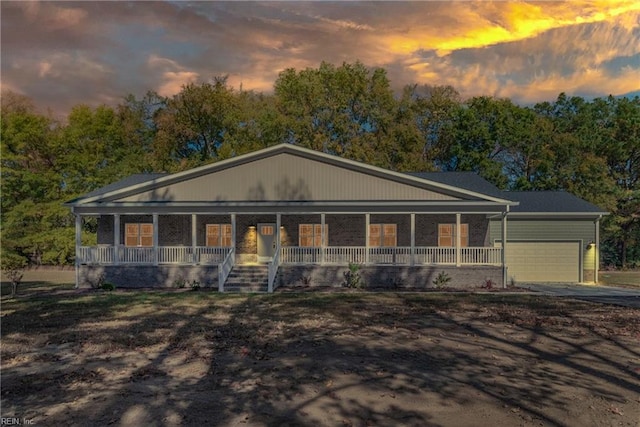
(546, 261)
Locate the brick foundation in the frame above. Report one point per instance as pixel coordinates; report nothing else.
(148, 276)
(389, 277)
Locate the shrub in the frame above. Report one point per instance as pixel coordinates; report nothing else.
(97, 282)
(106, 286)
(179, 283)
(13, 266)
(397, 282)
(195, 285)
(488, 284)
(352, 278)
(441, 280)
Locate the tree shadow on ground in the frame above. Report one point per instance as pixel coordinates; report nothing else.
(317, 360)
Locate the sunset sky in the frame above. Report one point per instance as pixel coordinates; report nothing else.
(64, 53)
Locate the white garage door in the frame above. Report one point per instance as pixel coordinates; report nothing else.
(544, 261)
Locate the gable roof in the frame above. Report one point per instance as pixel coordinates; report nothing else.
(556, 202)
(134, 179)
(468, 180)
(530, 202)
(203, 183)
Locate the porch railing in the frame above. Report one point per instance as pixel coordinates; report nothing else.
(96, 254)
(345, 254)
(149, 255)
(299, 255)
(396, 255)
(481, 256)
(391, 255)
(294, 255)
(435, 255)
(211, 254)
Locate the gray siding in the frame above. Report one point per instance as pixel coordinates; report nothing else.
(544, 229)
(552, 229)
(286, 177)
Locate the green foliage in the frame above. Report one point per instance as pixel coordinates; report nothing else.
(590, 148)
(180, 283)
(106, 286)
(346, 110)
(441, 280)
(352, 278)
(97, 281)
(13, 266)
(195, 285)
(195, 124)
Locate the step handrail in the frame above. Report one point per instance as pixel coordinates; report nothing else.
(273, 270)
(225, 268)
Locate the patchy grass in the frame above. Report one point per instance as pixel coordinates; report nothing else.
(31, 288)
(190, 358)
(630, 278)
(40, 280)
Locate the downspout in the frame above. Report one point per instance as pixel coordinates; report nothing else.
(504, 248)
(78, 244)
(596, 257)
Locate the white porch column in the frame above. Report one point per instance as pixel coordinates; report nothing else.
(412, 261)
(367, 221)
(116, 239)
(457, 233)
(155, 239)
(504, 250)
(323, 242)
(194, 239)
(278, 234)
(233, 231)
(78, 244)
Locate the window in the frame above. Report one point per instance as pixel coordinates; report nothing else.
(310, 235)
(266, 230)
(219, 235)
(447, 236)
(138, 235)
(382, 235)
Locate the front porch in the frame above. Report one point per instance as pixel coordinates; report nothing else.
(216, 243)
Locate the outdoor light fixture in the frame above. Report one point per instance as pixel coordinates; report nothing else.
(591, 244)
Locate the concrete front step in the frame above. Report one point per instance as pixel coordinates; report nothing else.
(246, 288)
(248, 278)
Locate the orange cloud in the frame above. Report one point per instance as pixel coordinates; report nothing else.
(595, 82)
(52, 16)
(174, 75)
(486, 24)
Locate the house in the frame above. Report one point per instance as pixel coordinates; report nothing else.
(286, 215)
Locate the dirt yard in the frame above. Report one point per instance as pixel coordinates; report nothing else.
(353, 359)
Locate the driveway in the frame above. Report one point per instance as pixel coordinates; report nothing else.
(603, 294)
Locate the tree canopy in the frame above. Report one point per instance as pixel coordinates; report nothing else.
(590, 148)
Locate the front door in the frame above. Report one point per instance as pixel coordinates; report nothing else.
(266, 242)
